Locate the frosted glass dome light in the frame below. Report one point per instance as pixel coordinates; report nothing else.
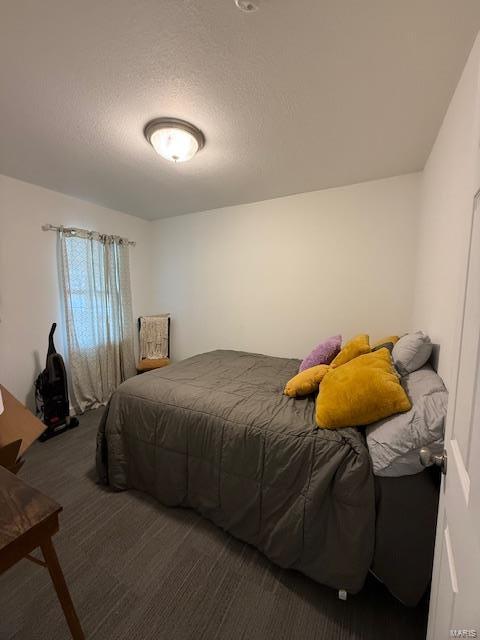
(174, 140)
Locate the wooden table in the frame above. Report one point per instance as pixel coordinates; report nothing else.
(29, 519)
(19, 429)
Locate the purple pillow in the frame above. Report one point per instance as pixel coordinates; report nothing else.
(323, 353)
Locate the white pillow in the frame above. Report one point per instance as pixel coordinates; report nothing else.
(411, 352)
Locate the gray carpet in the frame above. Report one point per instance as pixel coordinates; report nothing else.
(138, 570)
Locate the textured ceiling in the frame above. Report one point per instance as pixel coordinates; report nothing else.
(301, 95)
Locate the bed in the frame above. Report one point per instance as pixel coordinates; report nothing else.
(215, 433)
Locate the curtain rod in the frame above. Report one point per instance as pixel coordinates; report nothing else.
(53, 227)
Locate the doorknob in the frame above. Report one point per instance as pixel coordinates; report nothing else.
(428, 458)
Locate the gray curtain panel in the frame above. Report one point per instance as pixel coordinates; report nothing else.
(95, 278)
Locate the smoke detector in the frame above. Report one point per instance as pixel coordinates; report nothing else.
(248, 6)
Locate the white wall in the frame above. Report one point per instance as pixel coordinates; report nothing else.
(278, 276)
(272, 277)
(450, 179)
(29, 293)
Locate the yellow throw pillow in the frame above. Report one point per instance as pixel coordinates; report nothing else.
(353, 348)
(387, 340)
(362, 391)
(306, 381)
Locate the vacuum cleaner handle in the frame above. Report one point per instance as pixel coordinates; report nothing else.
(51, 346)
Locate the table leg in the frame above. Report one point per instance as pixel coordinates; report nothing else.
(61, 588)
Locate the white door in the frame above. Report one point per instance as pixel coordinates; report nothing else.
(455, 597)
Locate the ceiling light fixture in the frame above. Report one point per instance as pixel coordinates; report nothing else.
(173, 139)
(247, 5)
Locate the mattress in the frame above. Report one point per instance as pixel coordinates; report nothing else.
(215, 433)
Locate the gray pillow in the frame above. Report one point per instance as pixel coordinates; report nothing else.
(395, 443)
(411, 352)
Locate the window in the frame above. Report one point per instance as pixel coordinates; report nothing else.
(98, 313)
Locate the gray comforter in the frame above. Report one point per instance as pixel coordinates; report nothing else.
(215, 433)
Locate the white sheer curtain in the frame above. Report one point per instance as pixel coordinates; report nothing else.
(95, 277)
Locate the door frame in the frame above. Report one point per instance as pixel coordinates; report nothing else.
(456, 345)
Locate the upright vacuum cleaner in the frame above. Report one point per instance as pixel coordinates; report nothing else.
(51, 394)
